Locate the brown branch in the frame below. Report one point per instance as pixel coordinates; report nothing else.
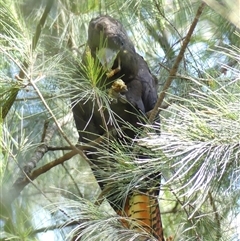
(48, 132)
(178, 60)
(45, 127)
(177, 74)
(55, 119)
(50, 165)
(66, 157)
(25, 177)
(18, 186)
(59, 148)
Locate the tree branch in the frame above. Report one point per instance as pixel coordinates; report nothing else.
(26, 176)
(20, 183)
(178, 60)
(40, 151)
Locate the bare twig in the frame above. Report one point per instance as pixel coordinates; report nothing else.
(68, 156)
(59, 148)
(45, 127)
(55, 119)
(178, 60)
(19, 185)
(47, 135)
(27, 178)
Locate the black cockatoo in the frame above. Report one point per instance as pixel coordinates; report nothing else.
(129, 81)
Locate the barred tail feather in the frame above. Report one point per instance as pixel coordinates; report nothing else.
(144, 211)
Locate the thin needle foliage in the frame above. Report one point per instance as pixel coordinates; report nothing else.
(195, 155)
